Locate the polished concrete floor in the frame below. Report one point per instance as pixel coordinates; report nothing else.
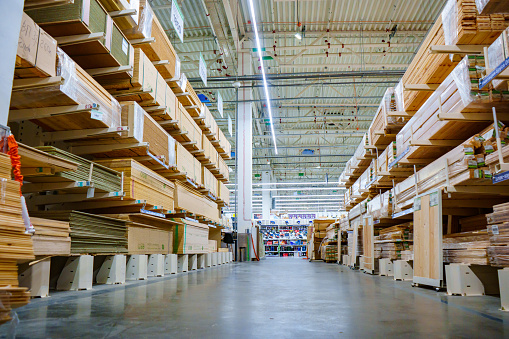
(274, 298)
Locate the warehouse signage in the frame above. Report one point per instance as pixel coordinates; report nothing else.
(500, 177)
(499, 69)
(203, 70)
(230, 126)
(177, 20)
(220, 104)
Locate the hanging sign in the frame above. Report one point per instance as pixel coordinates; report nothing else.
(220, 104)
(177, 20)
(203, 70)
(230, 126)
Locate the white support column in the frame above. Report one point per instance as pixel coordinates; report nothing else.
(192, 262)
(214, 259)
(201, 261)
(77, 274)
(155, 265)
(170, 264)
(183, 263)
(208, 260)
(266, 199)
(36, 278)
(9, 35)
(113, 270)
(137, 267)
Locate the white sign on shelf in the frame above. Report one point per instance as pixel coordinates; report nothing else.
(203, 70)
(183, 82)
(230, 126)
(177, 20)
(220, 104)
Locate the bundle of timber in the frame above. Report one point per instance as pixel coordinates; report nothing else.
(51, 237)
(207, 123)
(187, 164)
(90, 233)
(223, 193)
(498, 51)
(381, 206)
(188, 133)
(394, 242)
(144, 135)
(211, 155)
(223, 145)
(160, 51)
(459, 24)
(322, 224)
(72, 100)
(87, 33)
(498, 230)
(466, 248)
(192, 201)
(123, 21)
(358, 191)
(389, 170)
(147, 234)
(344, 224)
(38, 163)
(330, 253)
(475, 223)
(141, 183)
(209, 182)
(485, 7)
(223, 173)
(190, 237)
(37, 51)
(102, 178)
(358, 163)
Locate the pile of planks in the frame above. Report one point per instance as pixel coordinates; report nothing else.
(475, 223)
(394, 242)
(466, 248)
(486, 7)
(190, 200)
(92, 233)
(51, 237)
(35, 162)
(190, 237)
(498, 230)
(381, 206)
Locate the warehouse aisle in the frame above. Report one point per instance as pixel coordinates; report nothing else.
(281, 297)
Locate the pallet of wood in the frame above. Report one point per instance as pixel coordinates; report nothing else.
(190, 237)
(51, 237)
(72, 100)
(190, 200)
(486, 7)
(90, 233)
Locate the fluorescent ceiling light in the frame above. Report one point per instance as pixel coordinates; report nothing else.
(298, 35)
(265, 86)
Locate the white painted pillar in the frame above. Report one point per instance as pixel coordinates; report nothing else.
(9, 34)
(266, 196)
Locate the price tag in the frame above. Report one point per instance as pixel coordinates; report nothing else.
(177, 20)
(96, 115)
(203, 70)
(230, 126)
(220, 104)
(494, 230)
(433, 199)
(417, 204)
(90, 192)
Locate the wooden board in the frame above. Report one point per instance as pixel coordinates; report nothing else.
(190, 237)
(190, 200)
(368, 245)
(428, 255)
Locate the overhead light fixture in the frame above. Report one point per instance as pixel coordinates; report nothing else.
(298, 36)
(260, 56)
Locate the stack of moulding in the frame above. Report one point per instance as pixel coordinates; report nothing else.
(223, 193)
(380, 206)
(458, 167)
(147, 234)
(51, 237)
(37, 51)
(188, 164)
(192, 201)
(87, 17)
(190, 237)
(143, 130)
(141, 183)
(209, 181)
(76, 87)
(159, 50)
(466, 248)
(486, 7)
(457, 97)
(459, 24)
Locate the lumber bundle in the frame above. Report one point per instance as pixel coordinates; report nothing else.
(394, 242)
(497, 52)
(190, 237)
(388, 171)
(147, 234)
(209, 181)
(141, 183)
(188, 164)
(92, 234)
(51, 237)
(498, 230)
(445, 115)
(35, 162)
(207, 123)
(190, 200)
(223, 145)
(223, 172)
(10, 295)
(159, 50)
(102, 177)
(485, 7)
(72, 100)
(358, 191)
(144, 135)
(188, 132)
(381, 206)
(5, 166)
(358, 163)
(210, 153)
(466, 248)
(223, 193)
(322, 224)
(37, 51)
(124, 21)
(187, 95)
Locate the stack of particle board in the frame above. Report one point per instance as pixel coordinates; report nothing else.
(141, 183)
(51, 237)
(210, 153)
(125, 21)
(190, 237)
(189, 131)
(190, 200)
(188, 164)
(38, 163)
(498, 230)
(42, 101)
(92, 234)
(188, 97)
(147, 234)
(466, 248)
(224, 171)
(224, 146)
(486, 7)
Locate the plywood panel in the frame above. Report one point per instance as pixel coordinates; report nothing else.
(368, 240)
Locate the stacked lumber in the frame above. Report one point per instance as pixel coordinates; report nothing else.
(141, 183)
(223, 172)
(381, 206)
(394, 242)
(51, 237)
(475, 223)
(102, 177)
(466, 248)
(208, 124)
(42, 101)
(223, 145)
(187, 164)
(330, 253)
(498, 230)
(210, 154)
(210, 182)
(187, 95)
(190, 237)
(125, 21)
(190, 200)
(188, 133)
(147, 234)
(36, 163)
(485, 7)
(389, 171)
(91, 234)
(223, 193)
(358, 163)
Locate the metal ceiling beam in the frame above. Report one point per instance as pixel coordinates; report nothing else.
(383, 65)
(381, 82)
(306, 98)
(339, 46)
(312, 117)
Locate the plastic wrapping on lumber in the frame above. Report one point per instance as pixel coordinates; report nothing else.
(144, 28)
(450, 22)
(400, 101)
(496, 55)
(499, 256)
(381, 205)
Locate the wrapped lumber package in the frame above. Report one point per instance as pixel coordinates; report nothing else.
(498, 51)
(466, 248)
(224, 170)
(190, 200)
(210, 152)
(51, 237)
(36, 55)
(41, 103)
(102, 177)
(141, 183)
(86, 17)
(90, 233)
(381, 206)
(223, 146)
(457, 95)
(161, 49)
(223, 192)
(190, 237)
(485, 7)
(498, 231)
(189, 130)
(147, 234)
(188, 164)
(209, 181)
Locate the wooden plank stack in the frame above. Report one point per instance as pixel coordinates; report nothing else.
(485, 7)
(466, 248)
(51, 237)
(187, 199)
(393, 242)
(190, 237)
(498, 230)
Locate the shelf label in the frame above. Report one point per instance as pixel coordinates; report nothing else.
(417, 204)
(433, 199)
(96, 115)
(499, 69)
(203, 70)
(500, 177)
(220, 103)
(90, 192)
(230, 126)
(177, 20)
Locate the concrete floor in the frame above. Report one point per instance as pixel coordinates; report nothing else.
(280, 297)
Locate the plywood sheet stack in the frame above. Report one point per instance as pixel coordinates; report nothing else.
(394, 242)
(190, 200)
(466, 248)
(188, 164)
(190, 237)
(210, 182)
(51, 237)
(498, 230)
